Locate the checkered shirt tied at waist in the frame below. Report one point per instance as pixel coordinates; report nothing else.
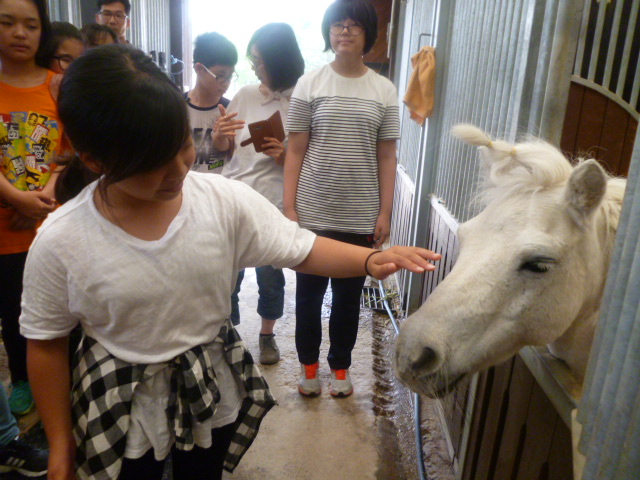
(102, 396)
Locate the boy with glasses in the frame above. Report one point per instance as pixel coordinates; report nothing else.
(115, 15)
(214, 59)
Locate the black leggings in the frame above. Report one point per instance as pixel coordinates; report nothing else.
(197, 464)
(345, 310)
(11, 271)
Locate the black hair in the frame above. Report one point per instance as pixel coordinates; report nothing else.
(92, 31)
(360, 11)
(117, 106)
(60, 31)
(280, 53)
(45, 33)
(213, 49)
(126, 3)
(72, 179)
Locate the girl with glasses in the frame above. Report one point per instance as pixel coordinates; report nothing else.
(277, 63)
(66, 45)
(339, 179)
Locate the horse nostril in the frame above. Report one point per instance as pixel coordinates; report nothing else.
(427, 356)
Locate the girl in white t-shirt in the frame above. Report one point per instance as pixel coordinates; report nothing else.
(144, 260)
(277, 62)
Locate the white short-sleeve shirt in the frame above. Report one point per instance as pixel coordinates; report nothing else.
(149, 301)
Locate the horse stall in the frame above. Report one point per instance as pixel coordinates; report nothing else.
(564, 71)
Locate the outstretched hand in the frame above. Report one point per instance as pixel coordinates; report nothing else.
(389, 261)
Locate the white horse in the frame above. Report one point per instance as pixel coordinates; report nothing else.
(531, 268)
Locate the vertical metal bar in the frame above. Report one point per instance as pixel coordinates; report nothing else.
(460, 80)
(512, 52)
(582, 38)
(626, 54)
(498, 68)
(472, 103)
(479, 94)
(558, 78)
(428, 166)
(636, 86)
(539, 53)
(595, 50)
(520, 69)
(611, 48)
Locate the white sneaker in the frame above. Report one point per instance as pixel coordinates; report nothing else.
(341, 383)
(309, 385)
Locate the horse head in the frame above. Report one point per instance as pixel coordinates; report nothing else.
(531, 268)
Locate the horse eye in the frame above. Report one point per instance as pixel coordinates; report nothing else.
(535, 266)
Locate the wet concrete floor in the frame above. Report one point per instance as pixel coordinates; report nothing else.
(317, 438)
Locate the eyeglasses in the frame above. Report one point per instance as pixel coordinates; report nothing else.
(222, 78)
(338, 28)
(64, 61)
(255, 62)
(119, 16)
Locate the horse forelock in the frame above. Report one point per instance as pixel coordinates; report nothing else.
(523, 168)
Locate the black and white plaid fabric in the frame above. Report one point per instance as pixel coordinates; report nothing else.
(102, 396)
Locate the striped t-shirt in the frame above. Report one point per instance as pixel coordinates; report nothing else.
(338, 188)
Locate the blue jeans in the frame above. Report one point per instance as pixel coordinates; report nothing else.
(345, 310)
(270, 294)
(8, 426)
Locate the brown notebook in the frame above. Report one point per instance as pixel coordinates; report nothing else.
(271, 127)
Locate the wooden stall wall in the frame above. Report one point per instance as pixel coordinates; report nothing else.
(516, 433)
(598, 127)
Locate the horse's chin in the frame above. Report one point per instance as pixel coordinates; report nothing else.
(434, 385)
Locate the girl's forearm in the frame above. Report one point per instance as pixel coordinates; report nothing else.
(298, 143)
(386, 174)
(6, 189)
(330, 258)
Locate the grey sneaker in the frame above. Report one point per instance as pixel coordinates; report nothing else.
(309, 385)
(341, 383)
(269, 351)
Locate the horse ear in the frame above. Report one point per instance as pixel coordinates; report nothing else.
(585, 190)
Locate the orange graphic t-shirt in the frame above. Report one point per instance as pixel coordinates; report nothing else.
(30, 139)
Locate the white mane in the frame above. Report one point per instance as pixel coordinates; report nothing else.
(528, 167)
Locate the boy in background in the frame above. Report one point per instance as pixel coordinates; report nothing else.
(115, 15)
(214, 59)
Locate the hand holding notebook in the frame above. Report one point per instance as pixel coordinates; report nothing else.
(271, 127)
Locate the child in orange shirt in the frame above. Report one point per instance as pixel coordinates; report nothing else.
(30, 137)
